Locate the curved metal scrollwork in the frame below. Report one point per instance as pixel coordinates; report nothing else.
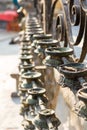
(60, 27)
(74, 14)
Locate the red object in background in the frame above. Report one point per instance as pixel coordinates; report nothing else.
(8, 15)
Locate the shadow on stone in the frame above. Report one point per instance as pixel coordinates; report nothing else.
(15, 98)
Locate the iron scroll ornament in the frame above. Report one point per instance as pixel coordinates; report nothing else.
(73, 14)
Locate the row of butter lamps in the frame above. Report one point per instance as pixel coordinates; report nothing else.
(36, 115)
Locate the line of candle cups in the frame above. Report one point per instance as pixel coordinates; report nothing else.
(34, 101)
(36, 88)
(36, 81)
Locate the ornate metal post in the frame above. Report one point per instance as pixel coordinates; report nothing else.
(47, 9)
(71, 28)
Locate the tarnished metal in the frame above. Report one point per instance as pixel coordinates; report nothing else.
(55, 55)
(73, 13)
(31, 79)
(72, 72)
(49, 80)
(26, 67)
(80, 107)
(34, 102)
(42, 45)
(28, 125)
(46, 120)
(36, 114)
(38, 53)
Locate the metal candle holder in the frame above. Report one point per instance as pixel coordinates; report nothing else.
(72, 72)
(46, 120)
(36, 101)
(55, 55)
(42, 45)
(80, 107)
